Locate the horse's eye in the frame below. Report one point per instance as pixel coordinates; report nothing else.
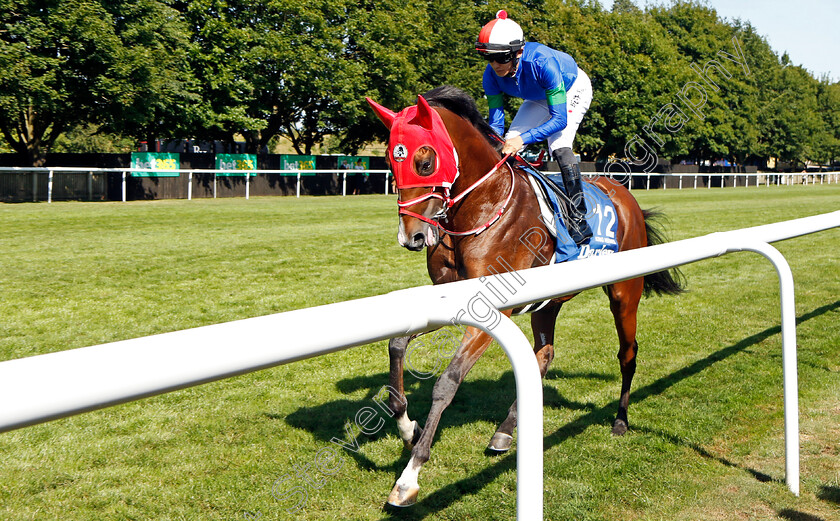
(425, 161)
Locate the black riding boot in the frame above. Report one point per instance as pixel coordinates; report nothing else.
(578, 227)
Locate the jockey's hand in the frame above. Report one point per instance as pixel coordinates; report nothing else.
(513, 145)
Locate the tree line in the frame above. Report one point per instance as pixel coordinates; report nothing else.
(74, 72)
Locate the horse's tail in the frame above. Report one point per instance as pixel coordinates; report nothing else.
(668, 282)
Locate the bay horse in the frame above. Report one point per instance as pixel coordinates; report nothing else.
(470, 209)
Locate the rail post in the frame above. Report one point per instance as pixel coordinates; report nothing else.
(529, 410)
(790, 377)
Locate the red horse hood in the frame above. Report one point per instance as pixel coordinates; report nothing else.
(412, 128)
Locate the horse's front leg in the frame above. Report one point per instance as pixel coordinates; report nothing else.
(472, 346)
(397, 401)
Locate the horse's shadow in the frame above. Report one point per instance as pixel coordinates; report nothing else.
(829, 493)
(476, 400)
(676, 440)
(488, 400)
(796, 515)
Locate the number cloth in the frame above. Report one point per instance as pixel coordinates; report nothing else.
(600, 214)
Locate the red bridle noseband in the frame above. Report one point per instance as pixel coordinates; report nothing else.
(449, 202)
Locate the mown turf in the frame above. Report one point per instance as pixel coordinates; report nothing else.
(706, 438)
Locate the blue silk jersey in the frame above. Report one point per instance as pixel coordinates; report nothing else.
(543, 74)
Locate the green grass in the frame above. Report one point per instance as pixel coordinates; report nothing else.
(706, 439)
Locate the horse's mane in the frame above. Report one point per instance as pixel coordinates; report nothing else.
(459, 102)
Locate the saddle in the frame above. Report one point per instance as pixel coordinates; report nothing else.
(554, 203)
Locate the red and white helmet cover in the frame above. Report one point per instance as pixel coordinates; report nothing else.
(412, 128)
(500, 35)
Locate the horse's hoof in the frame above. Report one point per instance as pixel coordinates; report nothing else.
(415, 437)
(403, 496)
(619, 428)
(500, 442)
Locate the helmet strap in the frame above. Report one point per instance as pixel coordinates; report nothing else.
(513, 69)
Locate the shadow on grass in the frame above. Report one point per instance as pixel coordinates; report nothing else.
(795, 515)
(827, 493)
(759, 476)
(493, 398)
(476, 400)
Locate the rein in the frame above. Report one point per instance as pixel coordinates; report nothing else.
(450, 202)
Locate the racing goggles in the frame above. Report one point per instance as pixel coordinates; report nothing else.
(498, 57)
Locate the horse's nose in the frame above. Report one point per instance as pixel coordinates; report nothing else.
(417, 241)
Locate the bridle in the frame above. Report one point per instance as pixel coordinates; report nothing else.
(449, 202)
(418, 127)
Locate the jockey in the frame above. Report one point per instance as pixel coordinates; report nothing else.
(556, 94)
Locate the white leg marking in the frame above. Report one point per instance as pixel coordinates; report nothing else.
(406, 489)
(406, 427)
(408, 478)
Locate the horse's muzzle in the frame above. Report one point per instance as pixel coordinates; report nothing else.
(426, 236)
(417, 242)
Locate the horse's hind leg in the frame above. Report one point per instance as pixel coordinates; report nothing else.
(397, 402)
(542, 325)
(624, 303)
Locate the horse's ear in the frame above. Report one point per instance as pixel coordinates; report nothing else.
(385, 115)
(424, 114)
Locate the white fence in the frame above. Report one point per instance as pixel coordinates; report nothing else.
(749, 179)
(51, 171)
(99, 376)
(754, 179)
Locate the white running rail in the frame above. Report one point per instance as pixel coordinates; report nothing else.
(51, 171)
(55, 385)
(749, 178)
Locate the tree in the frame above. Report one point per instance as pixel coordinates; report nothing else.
(313, 83)
(4, 147)
(158, 95)
(223, 39)
(634, 70)
(724, 62)
(791, 117)
(624, 7)
(296, 68)
(65, 63)
(405, 51)
(825, 144)
(46, 59)
(89, 138)
(215, 69)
